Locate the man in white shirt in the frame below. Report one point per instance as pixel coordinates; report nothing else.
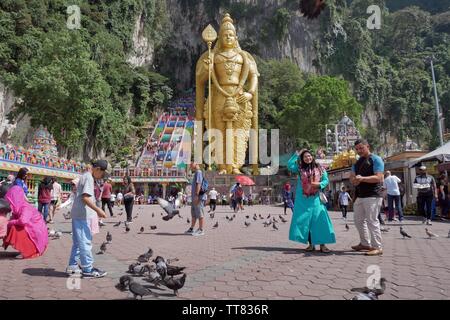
(393, 193)
(212, 200)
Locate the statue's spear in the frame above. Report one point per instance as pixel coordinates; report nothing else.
(209, 35)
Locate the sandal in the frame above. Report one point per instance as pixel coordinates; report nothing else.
(310, 248)
(324, 249)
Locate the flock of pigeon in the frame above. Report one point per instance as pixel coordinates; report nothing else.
(269, 220)
(161, 272)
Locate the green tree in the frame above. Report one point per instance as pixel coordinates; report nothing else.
(323, 100)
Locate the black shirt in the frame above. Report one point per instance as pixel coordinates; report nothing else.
(367, 167)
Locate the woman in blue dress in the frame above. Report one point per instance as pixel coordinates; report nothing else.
(310, 221)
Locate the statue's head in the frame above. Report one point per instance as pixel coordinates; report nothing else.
(227, 34)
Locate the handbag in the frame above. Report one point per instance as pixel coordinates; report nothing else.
(323, 197)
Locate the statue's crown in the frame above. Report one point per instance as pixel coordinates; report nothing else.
(227, 24)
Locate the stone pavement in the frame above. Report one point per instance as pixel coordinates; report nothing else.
(236, 262)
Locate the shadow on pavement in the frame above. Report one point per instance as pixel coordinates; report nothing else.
(8, 255)
(301, 251)
(44, 272)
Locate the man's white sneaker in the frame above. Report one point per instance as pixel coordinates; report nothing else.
(198, 233)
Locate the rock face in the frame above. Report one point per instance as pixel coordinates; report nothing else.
(143, 51)
(257, 30)
(7, 100)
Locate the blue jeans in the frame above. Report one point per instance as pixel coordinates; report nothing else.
(43, 208)
(398, 206)
(82, 245)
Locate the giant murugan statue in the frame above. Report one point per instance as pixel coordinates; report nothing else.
(233, 96)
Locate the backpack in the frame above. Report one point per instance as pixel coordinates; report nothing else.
(204, 187)
(239, 192)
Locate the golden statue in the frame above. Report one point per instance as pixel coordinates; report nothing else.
(232, 100)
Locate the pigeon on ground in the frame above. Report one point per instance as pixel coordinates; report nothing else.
(227, 217)
(117, 224)
(268, 217)
(153, 227)
(142, 229)
(134, 267)
(109, 237)
(246, 217)
(283, 219)
(430, 234)
(234, 216)
(384, 229)
(188, 221)
(145, 257)
(347, 227)
(154, 277)
(153, 214)
(211, 215)
(169, 208)
(124, 282)
(255, 217)
(175, 283)
(275, 220)
(311, 9)
(174, 270)
(403, 233)
(139, 290)
(135, 217)
(231, 219)
(102, 248)
(261, 217)
(216, 225)
(161, 266)
(247, 223)
(370, 293)
(121, 213)
(274, 226)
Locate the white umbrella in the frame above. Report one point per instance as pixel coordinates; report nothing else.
(441, 154)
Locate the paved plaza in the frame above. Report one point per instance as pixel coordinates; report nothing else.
(238, 262)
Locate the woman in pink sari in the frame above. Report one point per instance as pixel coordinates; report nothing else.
(27, 231)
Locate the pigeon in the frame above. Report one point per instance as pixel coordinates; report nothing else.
(283, 219)
(211, 215)
(347, 227)
(102, 248)
(153, 227)
(384, 229)
(247, 224)
(267, 223)
(154, 277)
(274, 220)
(169, 208)
(311, 9)
(246, 217)
(121, 213)
(227, 217)
(124, 282)
(141, 230)
(231, 219)
(255, 217)
(274, 226)
(234, 216)
(161, 266)
(268, 217)
(145, 257)
(174, 271)
(370, 293)
(135, 217)
(153, 214)
(175, 283)
(51, 233)
(216, 225)
(162, 214)
(134, 267)
(188, 221)
(403, 233)
(139, 290)
(430, 234)
(260, 216)
(117, 224)
(109, 237)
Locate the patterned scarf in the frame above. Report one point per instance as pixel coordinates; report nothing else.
(310, 175)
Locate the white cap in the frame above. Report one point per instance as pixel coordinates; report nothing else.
(423, 168)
